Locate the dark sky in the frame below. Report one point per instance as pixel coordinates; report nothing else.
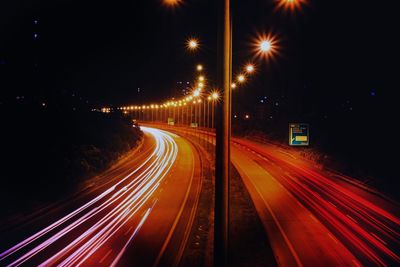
(105, 50)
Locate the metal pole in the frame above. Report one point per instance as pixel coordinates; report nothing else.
(212, 115)
(223, 143)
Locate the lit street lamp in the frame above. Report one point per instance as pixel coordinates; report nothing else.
(241, 78)
(192, 44)
(250, 68)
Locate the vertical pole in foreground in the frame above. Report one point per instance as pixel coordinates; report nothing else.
(223, 142)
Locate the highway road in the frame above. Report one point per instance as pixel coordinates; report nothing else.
(315, 217)
(138, 213)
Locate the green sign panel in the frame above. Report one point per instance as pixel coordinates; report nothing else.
(299, 134)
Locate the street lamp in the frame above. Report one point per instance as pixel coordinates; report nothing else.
(291, 5)
(192, 44)
(196, 93)
(250, 68)
(266, 46)
(241, 78)
(172, 3)
(215, 95)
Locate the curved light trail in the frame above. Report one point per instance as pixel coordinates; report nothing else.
(88, 228)
(370, 230)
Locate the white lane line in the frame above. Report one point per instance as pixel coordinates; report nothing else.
(280, 228)
(105, 256)
(127, 232)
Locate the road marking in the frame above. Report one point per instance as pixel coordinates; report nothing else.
(332, 204)
(351, 218)
(374, 235)
(172, 230)
(313, 217)
(105, 256)
(288, 154)
(333, 238)
(127, 232)
(355, 262)
(277, 223)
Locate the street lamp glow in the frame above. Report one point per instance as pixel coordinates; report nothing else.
(215, 95)
(196, 93)
(201, 85)
(233, 85)
(192, 44)
(241, 78)
(291, 5)
(201, 78)
(266, 46)
(250, 68)
(172, 3)
(199, 67)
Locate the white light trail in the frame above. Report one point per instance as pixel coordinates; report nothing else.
(115, 207)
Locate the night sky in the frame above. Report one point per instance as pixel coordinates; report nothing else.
(104, 51)
(336, 69)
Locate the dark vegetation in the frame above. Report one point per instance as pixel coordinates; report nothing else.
(48, 151)
(358, 142)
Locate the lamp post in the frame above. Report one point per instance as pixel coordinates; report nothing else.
(222, 169)
(265, 48)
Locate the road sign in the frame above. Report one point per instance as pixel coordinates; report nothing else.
(171, 121)
(299, 134)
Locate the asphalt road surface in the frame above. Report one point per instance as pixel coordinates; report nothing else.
(135, 214)
(314, 217)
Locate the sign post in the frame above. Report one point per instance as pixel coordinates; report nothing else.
(299, 134)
